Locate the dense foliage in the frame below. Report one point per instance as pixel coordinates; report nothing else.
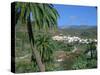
(88, 59)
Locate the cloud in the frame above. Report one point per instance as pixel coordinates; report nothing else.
(73, 17)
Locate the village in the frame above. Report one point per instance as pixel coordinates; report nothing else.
(71, 39)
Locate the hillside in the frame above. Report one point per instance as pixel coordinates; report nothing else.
(80, 31)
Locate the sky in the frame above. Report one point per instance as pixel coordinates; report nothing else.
(76, 15)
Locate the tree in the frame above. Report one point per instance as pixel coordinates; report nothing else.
(91, 55)
(91, 47)
(41, 17)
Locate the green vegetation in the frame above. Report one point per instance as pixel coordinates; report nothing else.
(80, 32)
(36, 51)
(88, 58)
(44, 18)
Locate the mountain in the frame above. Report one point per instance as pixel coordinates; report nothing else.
(76, 27)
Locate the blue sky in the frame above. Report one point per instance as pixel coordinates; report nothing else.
(76, 15)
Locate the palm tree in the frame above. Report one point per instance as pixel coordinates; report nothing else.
(41, 17)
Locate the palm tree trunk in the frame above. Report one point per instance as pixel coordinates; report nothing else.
(38, 59)
(35, 52)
